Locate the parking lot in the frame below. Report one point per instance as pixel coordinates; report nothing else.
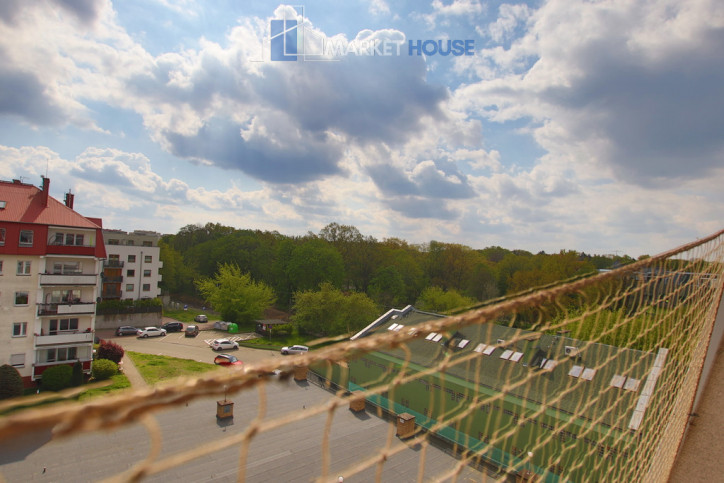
(176, 344)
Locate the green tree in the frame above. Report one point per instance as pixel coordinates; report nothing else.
(330, 312)
(103, 369)
(387, 287)
(11, 383)
(235, 295)
(435, 299)
(56, 378)
(313, 262)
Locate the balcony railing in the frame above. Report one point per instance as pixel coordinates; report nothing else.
(66, 308)
(118, 279)
(64, 337)
(112, 264)
(68, 279)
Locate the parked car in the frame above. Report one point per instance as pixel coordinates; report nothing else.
(227, 360)
(191, 331)
(173, 326)
(295, 349)
(151, 332)
(127, 330)
(223, 344)
(201, 318)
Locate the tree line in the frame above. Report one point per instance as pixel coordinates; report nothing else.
(304, 274)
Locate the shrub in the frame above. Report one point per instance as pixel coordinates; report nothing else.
(110, 350)
(56, 378)
(77, 377)
(11, 383)
(104, 369)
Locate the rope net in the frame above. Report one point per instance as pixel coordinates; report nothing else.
(589, 380)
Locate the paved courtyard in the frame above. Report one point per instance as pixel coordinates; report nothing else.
(291, 453)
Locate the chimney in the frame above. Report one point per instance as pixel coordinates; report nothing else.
(46, 190)
(69, 197)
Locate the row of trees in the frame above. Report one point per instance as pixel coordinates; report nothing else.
(309, 274)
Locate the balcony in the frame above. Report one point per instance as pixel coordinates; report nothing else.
(77, 250)
(40, 367)
(117, 279)
(112, 264)
(68, 337)
(66, 308)
(68, 279)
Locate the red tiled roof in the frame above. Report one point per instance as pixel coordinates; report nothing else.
(24, 203)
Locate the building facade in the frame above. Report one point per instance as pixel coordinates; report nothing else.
(133, 268)
(50, 264)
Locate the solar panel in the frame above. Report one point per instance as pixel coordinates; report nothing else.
(437, 338)
(516, 356)
(617, 380)
(588, 374)
(631, 384)
(430, 336)
(489, 350)
(506, 354)
(575, 371)
(463, 343)
(480, 347)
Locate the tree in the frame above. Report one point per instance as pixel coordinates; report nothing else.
(76, 379)
(435, 299)
(11, 383)
(387, 287)
(56, 378)
(313, 262)
(103, 369)
(235, 295)
(330, 312)
(111, 351)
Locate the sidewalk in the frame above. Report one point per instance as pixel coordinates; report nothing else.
(134, 377)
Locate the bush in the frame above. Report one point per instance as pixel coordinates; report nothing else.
(104, 369)
(110, 350)
(56, 378)
(77, 377)
(11, 383)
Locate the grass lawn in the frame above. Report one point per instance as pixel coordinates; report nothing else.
(155, 368)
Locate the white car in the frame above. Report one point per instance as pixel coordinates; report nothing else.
(223, 344)
(151, 332)
(295, 349)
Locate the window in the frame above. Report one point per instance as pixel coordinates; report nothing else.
(146, 287)
(147, 273)
(130, 273)
(129, 287)
(113, 241)
(131, 258)
(17, 360)
(20, 329)
(147, 259)
(66, 268)
(79, 240)
(21, 298)
(62, 325)
(130, 243)
(24, 268)
(69, 239)
(26, 238)
(1, 267)
(2, 236)
(114, 258)
(147, 243)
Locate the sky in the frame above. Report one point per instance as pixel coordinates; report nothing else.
(595, 126)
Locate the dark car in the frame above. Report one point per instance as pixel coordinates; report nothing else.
(191, 331)
(173, 326)
(201, 318)
(126, 330)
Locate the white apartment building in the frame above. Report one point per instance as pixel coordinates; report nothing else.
(133, 267)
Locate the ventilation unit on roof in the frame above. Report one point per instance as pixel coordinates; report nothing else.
(501, 342)
(571, 351)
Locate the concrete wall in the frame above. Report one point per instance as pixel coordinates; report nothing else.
(135, 320)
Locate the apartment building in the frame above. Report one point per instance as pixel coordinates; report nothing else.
(50, 265)
(133, 268)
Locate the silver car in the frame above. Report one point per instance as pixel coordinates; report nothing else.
(151, 332)
(224, 344)
(295, 349)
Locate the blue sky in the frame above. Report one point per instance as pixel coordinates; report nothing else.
(593, 126)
